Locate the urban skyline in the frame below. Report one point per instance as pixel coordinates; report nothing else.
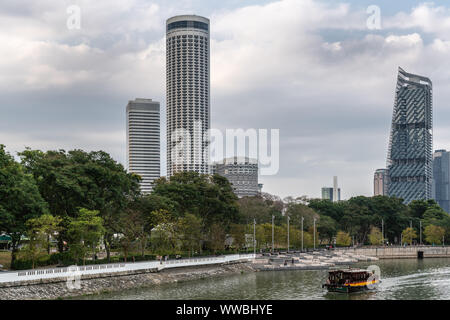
(308, 153)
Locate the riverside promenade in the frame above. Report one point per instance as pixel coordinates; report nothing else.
(26, 277)
(398, 252)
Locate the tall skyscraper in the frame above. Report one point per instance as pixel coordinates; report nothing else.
(441, 179)
(411, 139)
(143, 141)
(380, 182)
(242, 173)
(188, 95)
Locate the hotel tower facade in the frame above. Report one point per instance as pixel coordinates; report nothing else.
(187, 92)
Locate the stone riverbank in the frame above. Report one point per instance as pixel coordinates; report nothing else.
(113, 282)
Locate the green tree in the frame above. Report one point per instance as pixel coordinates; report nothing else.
(164, 234)
(343, 239)
(434, 234)
(237, 232)
(39, 232)
(130, 227)
(254, 208)
(327, 228)
(409, 234)
(211, 198)
(375, 236)
(217, 237)
(46, 227)
(20, 200)
(77, 179)
(190, 229)
(297, 210)
(85, 232)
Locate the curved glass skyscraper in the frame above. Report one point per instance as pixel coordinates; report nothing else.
(188, 96)
(410, 155)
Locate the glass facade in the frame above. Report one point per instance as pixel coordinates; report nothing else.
(441, 179)
(187, 24)
(411, 139)
(327, 194)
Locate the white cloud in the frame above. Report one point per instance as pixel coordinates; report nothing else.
(310, 68)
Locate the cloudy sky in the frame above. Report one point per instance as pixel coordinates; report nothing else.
(311, 68)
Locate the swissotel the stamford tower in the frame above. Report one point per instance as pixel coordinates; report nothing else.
(188, 96)
(410, 155)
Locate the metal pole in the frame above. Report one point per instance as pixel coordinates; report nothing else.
(410, 224)
(420, 227)
(288, 233)
(273, 217)
(254, 238)
(302, 232)
(382, 231)
(314, 234)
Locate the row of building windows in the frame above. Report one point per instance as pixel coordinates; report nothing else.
(410, 179)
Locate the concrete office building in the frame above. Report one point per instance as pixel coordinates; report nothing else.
(188, 95)
(242, 173)
(143, 141)
(380, 182)
(410, 153)
(441, 179)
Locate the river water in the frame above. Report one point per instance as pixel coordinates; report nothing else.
(401, 279)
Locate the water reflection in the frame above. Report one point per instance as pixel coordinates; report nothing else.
(402, 279)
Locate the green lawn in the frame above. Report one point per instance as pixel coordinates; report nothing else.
(5, 259)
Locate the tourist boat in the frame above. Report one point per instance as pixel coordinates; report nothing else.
(351, 280)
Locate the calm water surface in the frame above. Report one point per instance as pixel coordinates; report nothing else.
(401, 279)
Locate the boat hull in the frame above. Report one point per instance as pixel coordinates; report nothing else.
(351, 288)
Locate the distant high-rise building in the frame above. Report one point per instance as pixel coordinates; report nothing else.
(242, 174)
(328, 194)
(411, 139)
(143, 141)
(380, 182)
(335, 189)
(441, 179)
(188, 95)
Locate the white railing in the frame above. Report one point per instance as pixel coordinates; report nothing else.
(38, 274)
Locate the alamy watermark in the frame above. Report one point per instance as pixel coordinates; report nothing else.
(374, 280)
(374, 20)
(262, 145)
(74, 278)
(74, 20)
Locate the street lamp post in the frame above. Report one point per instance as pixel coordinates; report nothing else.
(302, 232)
(273, 218)
(254, 238)
(314, 234)
(420, 232)
(382, 230)
(288, 233)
